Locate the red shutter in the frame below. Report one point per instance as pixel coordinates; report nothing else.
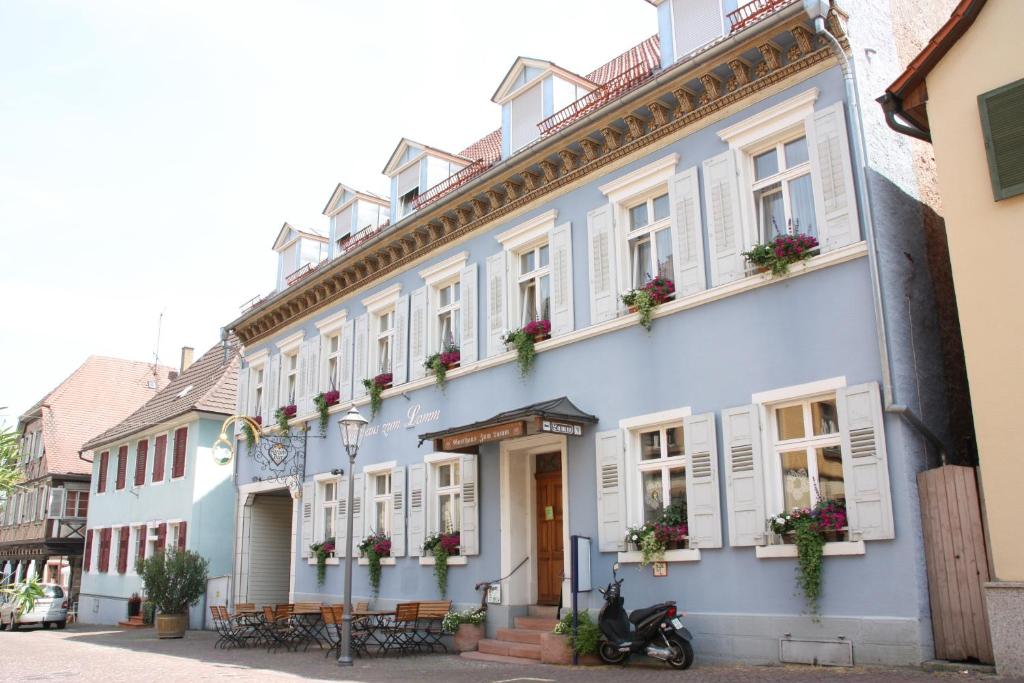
(141, 451)
(87, 559)
(182, 526)
(161, 536)
(143, 538)
(101, 485)
(180, 439)
(122, 551)
(105, 550)
(159, 456)
(122, 466)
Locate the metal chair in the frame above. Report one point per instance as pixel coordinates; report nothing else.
(400, 633)
(429, 629)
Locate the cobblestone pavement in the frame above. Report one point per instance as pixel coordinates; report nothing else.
(95, 654)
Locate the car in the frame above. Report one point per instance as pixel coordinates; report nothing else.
(52, 608)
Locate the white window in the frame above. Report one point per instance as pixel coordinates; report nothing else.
(172, 537)
(380, 490)
(806, 450)
(782, 190)
(448, 303)
(407, 202)
(258, 389)
(384, 340)
(447, 496)
(328, 509)
(290, 367)
(662, 466)
(650, 239)
(534, 283)
(333, 349)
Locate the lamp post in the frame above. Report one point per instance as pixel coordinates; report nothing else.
(351, 432)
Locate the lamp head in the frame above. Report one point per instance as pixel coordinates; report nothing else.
(351, 427)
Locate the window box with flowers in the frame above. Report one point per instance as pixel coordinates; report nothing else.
(284, 414)
(323, 402)
(442, 548)
(645, 299)
(375, 387)
(523, 341)
(374, 549)
(440, 363)
(663, 540)
(322, 552)
(780, 253)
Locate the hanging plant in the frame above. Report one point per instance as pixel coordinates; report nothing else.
(811, 529)
(524, 339)
(374, 547)
(644, 300)
(283, 414)
(442, 546)
(653, 539)
(375, 387)
(249, 432)
(323, 402)
(781, 252)
(440, 363)
(322, 551)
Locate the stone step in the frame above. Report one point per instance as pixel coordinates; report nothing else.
(536, 623)
(509, 649)
(133, 624)
(519, 635)
(544, 611)
(500, 659)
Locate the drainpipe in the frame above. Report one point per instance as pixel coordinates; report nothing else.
(818, 10)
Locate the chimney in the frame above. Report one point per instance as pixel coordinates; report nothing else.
(186, 357)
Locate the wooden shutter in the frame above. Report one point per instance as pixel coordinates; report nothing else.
(141, 453)
(122, 467)
(398, 512)
(1002, 126)
(341, 524)
(161, 536)
(101, 480)
(417, 333)
(562, 316)
(178, 463)
(87, 553)
(345, 361)
(702, 500)
(469, 534)
(141, 538)
(469, 307)
(308, 510)
(417, 508)
(497, 303)
(725, 224)
(835, 203)
(309, 375)
(744, 475)
(272, 399)
(57, 502)
(242, 398)
(357, 510)
(400, 353)
(611, 492)
(687, 236)
(865, 465)
(182, 535)
(361, 355)
(122, 550)
(604, 292)
(159, 457)
(105, 549)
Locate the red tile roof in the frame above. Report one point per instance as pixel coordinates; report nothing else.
(487, 148)
(99, 394)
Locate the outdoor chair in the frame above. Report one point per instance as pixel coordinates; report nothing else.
(429, 629)
(400, 632)
(225, 637)
(276, 627)
(242, 625)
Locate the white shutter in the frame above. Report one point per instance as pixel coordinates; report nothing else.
(408, 179)
(835, 203)
(469, 308)
(271, 385)
(725, 223)
(398, 512)
(560, 240)
(302, 363)
(242, 398)
(702, 500)
(687, 237)
(361, 356)
(611, 492)
(58, 498)
(309, 374)
(345, 361)
(308, 494)
(357, 511)
(604, 292)
(417, 508)
(400, 353)
(417, 333)
(865, 466)
(341, 524)
(744, 476)
(497, 303)
(469, 534)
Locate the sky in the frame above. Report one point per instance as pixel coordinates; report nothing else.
(150, 151)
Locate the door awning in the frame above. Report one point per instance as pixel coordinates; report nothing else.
(557, 416)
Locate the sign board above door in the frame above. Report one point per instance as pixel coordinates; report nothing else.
(499, 432)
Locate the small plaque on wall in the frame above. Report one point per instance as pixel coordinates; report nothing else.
(660, 568)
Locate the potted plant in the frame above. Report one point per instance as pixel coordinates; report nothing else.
(440, 363)
(442, 546)
(323, 402)
(134, 605)
(467, 628)
(523, 340)
(778, 254)
(321, 551)
(653, 539)
(644, 300)
(174, 581)
(374, 547)
(558, 646)
(247, 430)
(148, 612)
(283, 414)
(810, 529)
(375, 387)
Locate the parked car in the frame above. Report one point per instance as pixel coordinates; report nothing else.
(52, 608)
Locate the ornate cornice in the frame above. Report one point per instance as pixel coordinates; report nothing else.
(684, 97)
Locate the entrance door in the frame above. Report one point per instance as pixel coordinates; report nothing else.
(549, 528)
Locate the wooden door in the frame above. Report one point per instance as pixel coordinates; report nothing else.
(549, 530)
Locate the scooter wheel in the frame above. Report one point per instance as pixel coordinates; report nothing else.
(682, 653)
(610, 654)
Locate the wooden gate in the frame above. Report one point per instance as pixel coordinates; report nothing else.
(954, 543)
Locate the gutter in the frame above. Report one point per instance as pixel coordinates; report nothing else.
(892, 107)
(82, 458)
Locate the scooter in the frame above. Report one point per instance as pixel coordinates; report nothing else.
(655, 631)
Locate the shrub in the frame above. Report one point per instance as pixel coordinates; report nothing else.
(174, 580)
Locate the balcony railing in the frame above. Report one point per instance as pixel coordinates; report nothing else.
(297, 275)
(251, 302)
(364, 235)
(752, 12)
(451, 183)
(596, 98)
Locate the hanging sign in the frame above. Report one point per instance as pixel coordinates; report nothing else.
(558, 427)
(500, 432)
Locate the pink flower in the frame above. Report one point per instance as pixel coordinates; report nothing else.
(331, 397)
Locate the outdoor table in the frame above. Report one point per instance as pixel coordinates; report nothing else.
(373, 620)
(311, 625)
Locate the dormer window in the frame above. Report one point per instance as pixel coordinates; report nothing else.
(299, 251)
(407, 202)
(694, 24)
(414, 169)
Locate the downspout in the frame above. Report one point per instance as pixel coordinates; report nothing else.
(84, 459)
(892, 106)
(864, 199)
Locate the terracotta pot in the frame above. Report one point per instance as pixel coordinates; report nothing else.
(540, 337)
(555, 649)
(171, 625)
(468, 636)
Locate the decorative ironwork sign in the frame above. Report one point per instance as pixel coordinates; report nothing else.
(281, 457)
(509, 430)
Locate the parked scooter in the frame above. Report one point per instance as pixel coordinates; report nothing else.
(655, 631)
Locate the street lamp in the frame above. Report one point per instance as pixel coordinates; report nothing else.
(351, 427)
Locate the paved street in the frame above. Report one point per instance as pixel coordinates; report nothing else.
(95, 654)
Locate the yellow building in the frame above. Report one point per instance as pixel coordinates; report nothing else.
(965, 94)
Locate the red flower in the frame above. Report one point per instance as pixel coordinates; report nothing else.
(290, 411)
(535, 327)
(383, 379)
(331, 397)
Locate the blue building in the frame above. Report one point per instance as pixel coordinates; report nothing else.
(750, 394)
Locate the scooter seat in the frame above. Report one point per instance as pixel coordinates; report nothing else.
(636, 616)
